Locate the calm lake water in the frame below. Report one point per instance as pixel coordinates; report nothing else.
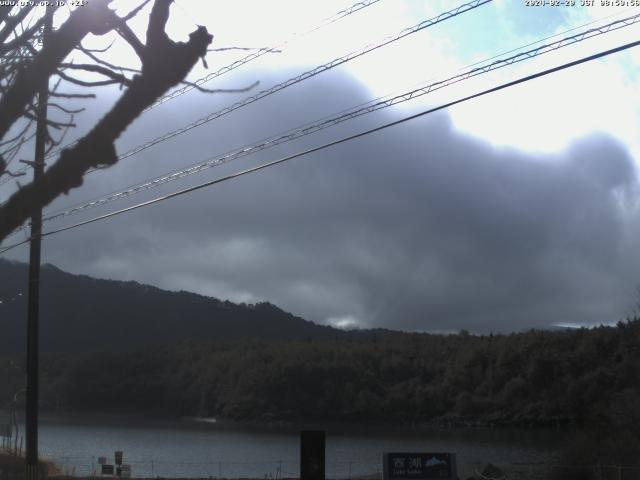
(197, 449)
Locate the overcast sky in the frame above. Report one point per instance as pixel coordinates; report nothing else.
(513, 211)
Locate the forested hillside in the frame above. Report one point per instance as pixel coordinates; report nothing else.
(125, 347)
(81, 313)
(587, 376)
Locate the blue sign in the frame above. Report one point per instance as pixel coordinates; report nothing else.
(419, 466)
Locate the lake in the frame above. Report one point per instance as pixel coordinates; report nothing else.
(199, 449)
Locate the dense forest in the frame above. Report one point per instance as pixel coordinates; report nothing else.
(580, 377)
(205, 357)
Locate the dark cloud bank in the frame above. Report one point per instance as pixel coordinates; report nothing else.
(419, 227)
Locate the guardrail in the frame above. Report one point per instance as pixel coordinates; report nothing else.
(218, 469)
(88, 467)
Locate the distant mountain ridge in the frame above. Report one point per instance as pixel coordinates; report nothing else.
(81, 313)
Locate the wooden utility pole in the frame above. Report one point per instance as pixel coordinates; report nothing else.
(31, 420)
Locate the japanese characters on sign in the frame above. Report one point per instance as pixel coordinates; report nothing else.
(419, 466)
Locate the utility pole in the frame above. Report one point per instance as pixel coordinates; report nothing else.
(31, 420)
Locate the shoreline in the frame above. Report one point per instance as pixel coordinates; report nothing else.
(446, 423)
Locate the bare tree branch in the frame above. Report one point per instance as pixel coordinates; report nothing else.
(83, 83)
(156, 35)
(66, 110)
(127, 34)
(51, 123)
(5, 10)
(92, 18)
(23, 38)
(12, 21)
(13, 151)
(100, 61)
(166, 64)
(97, 50)
(72, 95)
(135, 11)
(4, 171)
(118, 77)
(55, 143)
(17, 137)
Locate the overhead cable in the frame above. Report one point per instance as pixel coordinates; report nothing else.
(343, 116)
(335, 142)
(262, 51)
(309, 74)
(356, 7)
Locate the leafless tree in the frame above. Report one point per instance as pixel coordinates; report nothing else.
(24, 64)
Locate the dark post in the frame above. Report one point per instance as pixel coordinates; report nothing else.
(31, 420)
(312, 462)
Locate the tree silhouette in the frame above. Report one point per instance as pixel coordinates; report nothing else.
(164, 64)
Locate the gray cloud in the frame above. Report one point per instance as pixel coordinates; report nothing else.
(419, 227)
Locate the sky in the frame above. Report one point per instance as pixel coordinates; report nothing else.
(517, 210)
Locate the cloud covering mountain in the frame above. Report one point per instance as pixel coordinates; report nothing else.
(419, 227)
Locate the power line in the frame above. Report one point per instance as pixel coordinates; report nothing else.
(337, 142)
(356, 7)
(291, 81)
(306, 75)
(554, 35)
(309, 74)
(253, 56)
(342, 13)
(343, 116)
